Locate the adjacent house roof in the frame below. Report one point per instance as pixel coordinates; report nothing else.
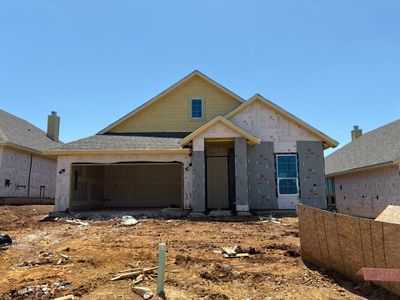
(112, 143)
(19, 133)
(327, 141)
(251, 138)
(375, 148)
(170, 89)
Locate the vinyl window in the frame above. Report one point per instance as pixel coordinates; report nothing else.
(197, 108)
(287, 174)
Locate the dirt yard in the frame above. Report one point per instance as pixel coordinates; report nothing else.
(95, 253)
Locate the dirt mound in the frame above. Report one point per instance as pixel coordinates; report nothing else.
(12, 217)
(221, 274)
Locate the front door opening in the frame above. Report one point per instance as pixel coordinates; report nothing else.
(220, 178)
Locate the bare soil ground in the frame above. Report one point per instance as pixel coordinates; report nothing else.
(103, 248)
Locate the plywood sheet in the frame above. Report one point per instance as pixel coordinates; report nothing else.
(366, 240)
(322, 238)
(391, 245)
(350, 243)
(391, 214)
(310, 250)
(333, 242)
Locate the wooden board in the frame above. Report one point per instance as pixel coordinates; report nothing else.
(391, 214)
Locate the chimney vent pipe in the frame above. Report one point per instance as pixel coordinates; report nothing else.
(356, 132)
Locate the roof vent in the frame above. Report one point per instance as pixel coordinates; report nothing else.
(356, 132)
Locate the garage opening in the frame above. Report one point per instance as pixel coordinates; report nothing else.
(126, 185)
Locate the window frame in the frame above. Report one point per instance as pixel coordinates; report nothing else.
(278, 178)
(191, 108)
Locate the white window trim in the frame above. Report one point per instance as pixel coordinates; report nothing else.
(297, 178)
(202, 109)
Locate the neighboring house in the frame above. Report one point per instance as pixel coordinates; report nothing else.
(24, 170)
(196, 146)
(363, 177)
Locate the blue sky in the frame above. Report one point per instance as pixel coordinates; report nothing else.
(332, 63)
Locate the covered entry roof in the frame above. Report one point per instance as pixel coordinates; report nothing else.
(219, 119)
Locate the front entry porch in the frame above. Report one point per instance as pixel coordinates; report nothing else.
(220, 176)
(219, 159)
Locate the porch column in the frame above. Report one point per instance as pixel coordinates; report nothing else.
(199, 176)
(242, 200)
(63, 184)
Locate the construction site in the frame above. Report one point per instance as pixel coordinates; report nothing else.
(84, 259)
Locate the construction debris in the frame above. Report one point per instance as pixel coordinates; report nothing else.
(5, 241)
(134, 273)
(230, 251)
(146, 293)
(380, 274)
(129, 221)
(77, 222)
(68, 297)
(270, 219)
(46, 257)
(36, 292)
(391, 214)
(236, 251)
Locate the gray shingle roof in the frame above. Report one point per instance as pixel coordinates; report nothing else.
(378, 146)
(22, 133)
(123, 142)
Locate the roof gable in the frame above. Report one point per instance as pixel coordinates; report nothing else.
(175, 87)
(327, 141)
(241, 132)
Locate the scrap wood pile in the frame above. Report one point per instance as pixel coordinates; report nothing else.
(236, 251)
(233, 252)
(139, 275)
(271, 219)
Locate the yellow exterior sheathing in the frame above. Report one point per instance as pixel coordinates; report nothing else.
(171, 113)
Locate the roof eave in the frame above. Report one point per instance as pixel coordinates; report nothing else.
(19, 147)
(366, 168)
(116, 151)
